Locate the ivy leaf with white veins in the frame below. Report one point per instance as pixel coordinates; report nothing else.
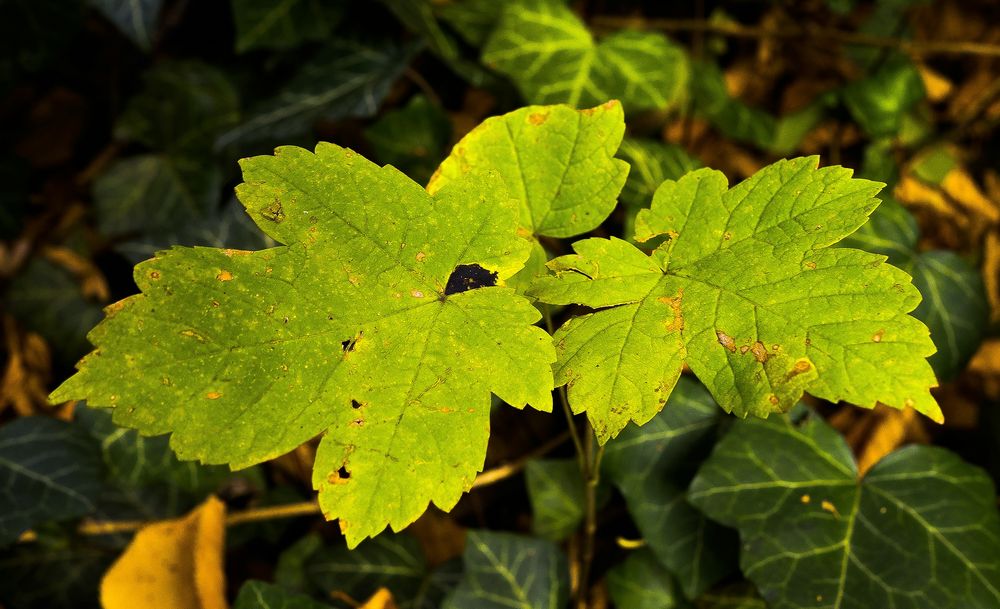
(551, 56)
(918, 531)
(748, 294)
(383, 320)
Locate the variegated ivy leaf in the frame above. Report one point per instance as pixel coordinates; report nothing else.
(383, 321)
(748, 293)
(552, 57)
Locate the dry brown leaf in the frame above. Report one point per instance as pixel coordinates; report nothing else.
(382, 599)
(175, 564)
(985, 364)
(891, 429)
(991, 272)
(937, 86)
(24, 385)
(960, 186)
(92, 282)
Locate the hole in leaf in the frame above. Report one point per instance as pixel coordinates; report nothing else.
(342, 473)
(355, 404)
(348, 345)
(467, 277)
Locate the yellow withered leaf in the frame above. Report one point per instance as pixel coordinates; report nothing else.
(175, 564)
(382, 599)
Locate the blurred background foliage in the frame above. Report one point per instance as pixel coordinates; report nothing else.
(122, 124)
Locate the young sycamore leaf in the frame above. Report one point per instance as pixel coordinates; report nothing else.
(382, 321)
(557, 162)
(748, 294)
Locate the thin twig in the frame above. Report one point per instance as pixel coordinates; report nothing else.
(592, 478)
(303, 508)
(736, 30)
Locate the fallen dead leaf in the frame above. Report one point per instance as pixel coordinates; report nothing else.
(991, 272)
(24, 385)
(175, 564)
(960, 186)
(985, 364)
(891, 429)
(937, 86)
(382, 599)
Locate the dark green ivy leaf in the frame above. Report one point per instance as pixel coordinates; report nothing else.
(182, 106)
(135, 19)
(504, 570)
(347, 79)
(391, 561)
(49, 470)
(412, 139)
(262, 595)
(920, 530)
(154, 192)
(651, 465)
(641, 582)
(55, 571)
(263, 24)
(556, 491)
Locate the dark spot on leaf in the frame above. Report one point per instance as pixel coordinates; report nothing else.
(274, 212)
(349, 344)
(355, 404)
(343, 473)
(467, 277)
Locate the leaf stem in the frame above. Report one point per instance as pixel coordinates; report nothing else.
(592, 478)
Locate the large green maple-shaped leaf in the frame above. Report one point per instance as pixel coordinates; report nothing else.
(378, 322)
(747, 293)
(557, 162)
(919, 531)
(552, 58)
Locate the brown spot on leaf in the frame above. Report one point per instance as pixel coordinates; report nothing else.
(877, 337)
(676, 323)
(232, 252)
(273, 212)
(224, 276)
(194, 335)
(537, 118)
(417, 294)
(726, 236)
(114, 308)
(801, 366)
(213, 395)
(744, 349)
(154, 275)
(773, 399)
(726, 341)
(811, 266)
(215, 303)
(759, 352)
(420, 256)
